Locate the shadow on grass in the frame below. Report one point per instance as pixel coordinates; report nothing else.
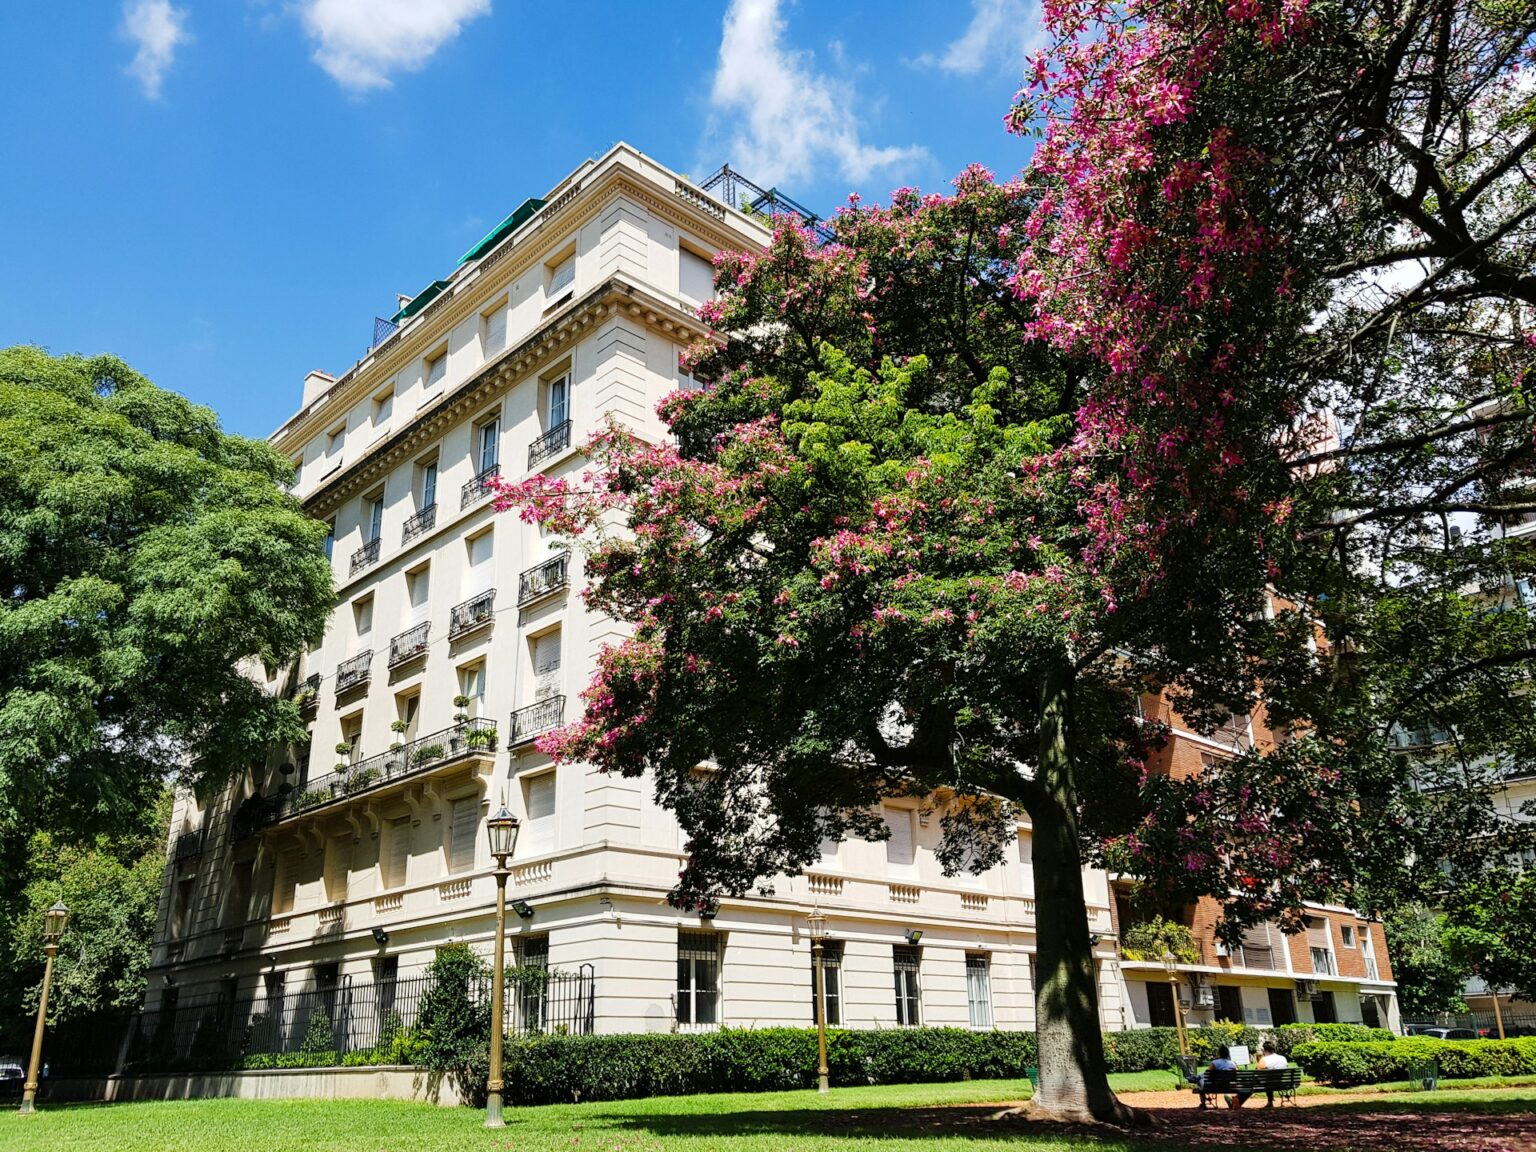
(1367, 1126)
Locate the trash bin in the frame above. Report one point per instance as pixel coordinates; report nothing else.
(1034, 1079)
(1424, 1074)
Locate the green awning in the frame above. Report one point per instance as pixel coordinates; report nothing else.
(420, 301)
(497, 234)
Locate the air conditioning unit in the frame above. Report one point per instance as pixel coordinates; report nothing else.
(1205, 996)
(1306, 991)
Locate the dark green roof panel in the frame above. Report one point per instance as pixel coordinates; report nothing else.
(497, 234)
(419, 301)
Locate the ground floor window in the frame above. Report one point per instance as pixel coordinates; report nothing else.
(532, 996)
(1229, 1003)
(909, 997)
(1160, 1013)
(698, 978)
(978, 988)
(1282, 1007)
(832, 980)
(1369, 1013)
(1324, 1010)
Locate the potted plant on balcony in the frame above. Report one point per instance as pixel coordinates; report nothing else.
(364, 778)
(1150, 939)
(460, 718)
(429, 753)
(396, 761)
(481, 740)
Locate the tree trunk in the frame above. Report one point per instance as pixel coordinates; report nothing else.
(1074, 1082)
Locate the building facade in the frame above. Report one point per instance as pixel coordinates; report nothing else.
(459, 637)
(1336, 970)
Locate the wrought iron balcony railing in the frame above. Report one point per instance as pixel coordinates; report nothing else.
(471, 614)
(538, 718)
(351, 673)
(552, 443)
(478, 487)
(419, 524)
(472, 738)
(409, 644)
(190, 845)
(305, 692)
(550, 576)
(367, 555)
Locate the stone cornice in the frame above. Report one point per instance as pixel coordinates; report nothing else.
(614, 297)
(496, 272)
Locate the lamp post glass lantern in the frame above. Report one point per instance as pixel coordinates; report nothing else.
(816, 928)
(55, 920)
(501, 829)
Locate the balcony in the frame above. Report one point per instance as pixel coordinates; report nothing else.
(306, 692)
(409, 645)
(1322, 962)
(479, 487)
(355, 672)
(367, 555)
(472, 614)
(473, 740)
(549, 445)
(536, 583)
(189, 846)
(538, 718)
(419, 524)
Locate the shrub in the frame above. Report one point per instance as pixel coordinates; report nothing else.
(258, 1061)
(453, 1022)
(319, 1036)
(1149, 939)
(1377, 1061)
(1288, 1037)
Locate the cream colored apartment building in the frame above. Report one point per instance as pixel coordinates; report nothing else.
(354, 860)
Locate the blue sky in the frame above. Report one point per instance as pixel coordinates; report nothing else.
(225, 192)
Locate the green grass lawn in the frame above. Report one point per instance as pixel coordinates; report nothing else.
(931, 1117)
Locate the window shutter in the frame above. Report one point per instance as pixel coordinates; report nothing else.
(696, 276)
(466, 821)
(495, 331)
(898, 849)
(546, 665)
(540, 797)
(399, 851)
(420, 593)
(480, 551)
(338, 865)
(436, 371)
(563, 276)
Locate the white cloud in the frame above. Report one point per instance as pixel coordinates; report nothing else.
(1001, 33)
(788, 118)
(157, 30)
(361, 42)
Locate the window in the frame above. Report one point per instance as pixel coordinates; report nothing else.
(237, 907)
(478, 576)
(698, 978)
(183, 914)
(472, 688)
(436, 367)
(546, 665)
(487, 444)
(426, 485)
(285, 883)
(909, 997)
(352, 734)
(463, 823)
(330, 539)
(1347, 935)
(1160, 1009)
(407, 711)
(562, 275)
(978, 988)
(398, 852)
(362, 622)
(532, 996)
(1324, 1011)
(695, 276)
(539, 804)
(327, 980)
(558, 394)
(383, 407)
(418, 590)
(334, 440)
(386, 970)
(1027, 861)
(899, 847)
(1282, 1006)
(493, 329)
(832, 980)
(338, 866)
(373, 518)
(1229, 1003)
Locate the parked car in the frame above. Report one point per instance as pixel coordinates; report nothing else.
(12, 1079)
(1435, 1032)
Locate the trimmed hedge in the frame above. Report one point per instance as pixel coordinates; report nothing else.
(1375, 1062)
(1288, 1037)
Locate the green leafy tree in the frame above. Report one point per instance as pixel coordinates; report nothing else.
(454, 1020)
(1430, 977)
(111, 887)
(144, 555)
(1491, 928)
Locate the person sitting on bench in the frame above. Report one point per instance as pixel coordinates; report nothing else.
(1222, 1063)
(1270, 1061)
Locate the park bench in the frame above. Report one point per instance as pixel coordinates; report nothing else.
(1283, 1082)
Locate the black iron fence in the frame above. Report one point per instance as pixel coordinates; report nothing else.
(550, 576)
(471, 614)
(419, 524)
(367, 555)
(552, 443)
(347, 1022)
(479, 486)
(536, 719)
